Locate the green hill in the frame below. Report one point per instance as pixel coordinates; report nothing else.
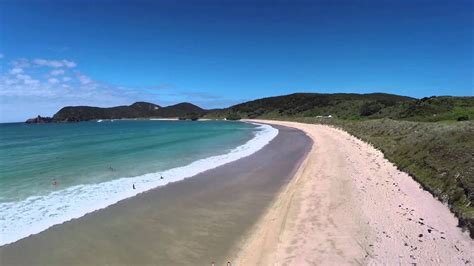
(354, 107)
(136, 110)
(430, 138)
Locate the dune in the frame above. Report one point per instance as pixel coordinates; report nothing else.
(347, 204)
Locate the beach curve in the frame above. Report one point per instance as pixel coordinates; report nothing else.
(191, 222)
(347, 204)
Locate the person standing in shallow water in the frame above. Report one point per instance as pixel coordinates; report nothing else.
(133, 186)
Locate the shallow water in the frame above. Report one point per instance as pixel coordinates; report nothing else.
(98, 164)
(32, 156)
(191, 222)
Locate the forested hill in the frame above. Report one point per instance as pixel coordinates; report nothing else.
(136, 110)
(353, 106)
(345, 106)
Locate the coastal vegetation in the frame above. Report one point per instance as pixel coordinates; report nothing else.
(233, 116)
(430, 138)
(190, 116)
(354, 107)
(437, 154)
(39, 120)
(136, 110)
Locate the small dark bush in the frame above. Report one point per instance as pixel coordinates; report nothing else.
(463, 118)
(233, 117)
(190, 116)
(252, 115)
(370, 108)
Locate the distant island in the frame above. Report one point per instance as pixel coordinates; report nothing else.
(346, 106)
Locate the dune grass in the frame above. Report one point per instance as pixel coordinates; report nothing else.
(429, 138)
(439, 155)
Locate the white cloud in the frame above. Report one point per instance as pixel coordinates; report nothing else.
(23, 76)
(53, 80)
(31, 81)
(10, 81)
(22, 63)
(83, 79)
(16, 70)
(54, 63)
(26, 79)
(69, 64)
(57, 72)
(44, 87)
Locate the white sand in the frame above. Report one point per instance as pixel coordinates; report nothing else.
(164, 119)
(348, 205)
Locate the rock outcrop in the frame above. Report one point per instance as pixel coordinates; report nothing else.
(39, 120)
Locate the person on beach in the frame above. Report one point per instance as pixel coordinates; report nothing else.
(133, 186)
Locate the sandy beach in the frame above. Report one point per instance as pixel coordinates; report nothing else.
(190, 222)
(315, 195)
(348, 205)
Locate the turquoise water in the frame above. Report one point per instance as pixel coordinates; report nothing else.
(97, 164)
(32, 156)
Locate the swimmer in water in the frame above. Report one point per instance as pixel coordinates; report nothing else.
(54, 183)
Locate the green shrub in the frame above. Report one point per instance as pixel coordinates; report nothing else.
(190, 116)
(370, 108)
(233, 116)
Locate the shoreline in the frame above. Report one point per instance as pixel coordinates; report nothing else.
(108, 193)
(196, 220)
(347, 204)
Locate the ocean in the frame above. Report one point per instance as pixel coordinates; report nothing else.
(52, 173)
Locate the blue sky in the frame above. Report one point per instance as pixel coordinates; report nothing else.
(218, 53)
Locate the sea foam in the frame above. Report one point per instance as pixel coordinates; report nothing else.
(37, 213)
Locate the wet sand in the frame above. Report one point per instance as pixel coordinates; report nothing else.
(191, 222)
(347, 205)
